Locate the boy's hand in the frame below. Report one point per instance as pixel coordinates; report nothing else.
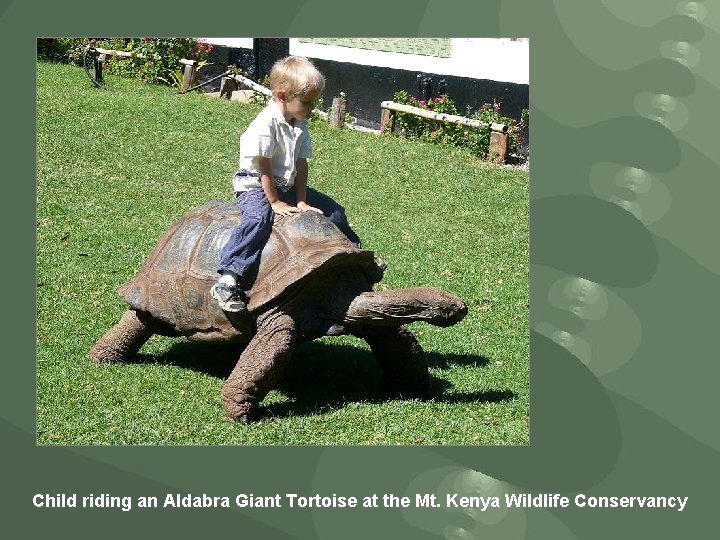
(284, 209)
(305, 207)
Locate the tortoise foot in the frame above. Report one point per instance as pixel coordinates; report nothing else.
(122, 341)
(100, 354)
(247, 417)
(240, 408)
(250, 417)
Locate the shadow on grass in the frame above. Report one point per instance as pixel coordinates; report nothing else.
(325, 376)
(446, 361)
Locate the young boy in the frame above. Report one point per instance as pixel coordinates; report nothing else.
(272, 177)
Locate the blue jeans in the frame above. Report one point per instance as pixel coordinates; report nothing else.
(241, 253)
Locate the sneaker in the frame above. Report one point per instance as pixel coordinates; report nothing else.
(230, 298)
(380, 263)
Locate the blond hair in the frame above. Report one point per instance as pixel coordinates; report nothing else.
(296, 76)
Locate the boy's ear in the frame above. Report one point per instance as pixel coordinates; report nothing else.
(281, 95)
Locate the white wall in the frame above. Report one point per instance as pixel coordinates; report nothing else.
(479, 58)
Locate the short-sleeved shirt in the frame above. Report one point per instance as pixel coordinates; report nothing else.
(271, 136)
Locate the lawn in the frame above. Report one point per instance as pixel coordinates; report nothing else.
(116, 168)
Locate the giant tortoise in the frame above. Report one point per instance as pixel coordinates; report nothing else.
(311, 282)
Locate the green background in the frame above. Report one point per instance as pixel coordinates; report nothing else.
(624, 190)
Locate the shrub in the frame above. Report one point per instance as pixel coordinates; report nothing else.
(477, 140)
(158, 59)
(63, 50)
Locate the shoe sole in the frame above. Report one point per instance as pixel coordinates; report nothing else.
(232, 306)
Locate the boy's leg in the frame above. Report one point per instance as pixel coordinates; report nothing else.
(241, 253)
(333, 211)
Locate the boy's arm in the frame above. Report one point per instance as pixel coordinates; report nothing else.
(268, 185)
(301, 176)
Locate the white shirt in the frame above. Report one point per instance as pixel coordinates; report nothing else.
(270, 135)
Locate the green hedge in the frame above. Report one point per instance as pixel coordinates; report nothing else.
(477, 140)
(158, 59)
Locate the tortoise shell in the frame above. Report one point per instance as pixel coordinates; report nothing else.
(174, 282)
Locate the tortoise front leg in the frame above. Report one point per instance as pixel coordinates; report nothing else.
(400, 356)
(122, 341)
(260, 367)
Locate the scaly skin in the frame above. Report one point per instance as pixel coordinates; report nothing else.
(376, 317)
(260, 366)
(403, 306)
(122, 341)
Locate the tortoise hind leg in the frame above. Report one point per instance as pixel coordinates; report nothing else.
(259, 367)
(401, 358)
(122, 341)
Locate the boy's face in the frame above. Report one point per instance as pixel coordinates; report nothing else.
(297, 107)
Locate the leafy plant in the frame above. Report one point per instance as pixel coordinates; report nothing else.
(178, 76)
(477, 140)
(259, 98)
(63, 50)
(156, 59)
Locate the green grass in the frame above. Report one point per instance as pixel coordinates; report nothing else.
(115, 169)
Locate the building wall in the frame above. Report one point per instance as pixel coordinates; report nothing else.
(476, 71)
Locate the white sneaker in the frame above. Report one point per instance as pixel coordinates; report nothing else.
(230, 298)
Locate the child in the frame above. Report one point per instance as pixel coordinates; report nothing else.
(272, 177)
